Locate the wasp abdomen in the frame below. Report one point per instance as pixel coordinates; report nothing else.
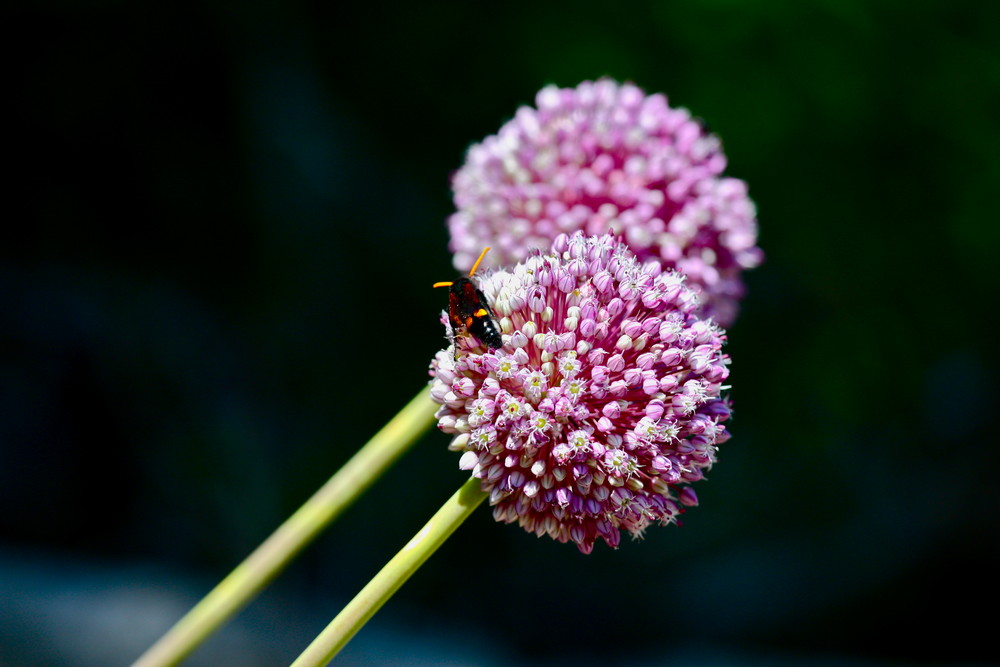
(469, 312)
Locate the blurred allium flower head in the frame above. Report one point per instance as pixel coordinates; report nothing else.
(604, 402)
(607, 157)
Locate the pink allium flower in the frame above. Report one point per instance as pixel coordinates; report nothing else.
(606, 157)
(604, 402)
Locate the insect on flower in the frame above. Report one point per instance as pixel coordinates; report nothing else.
(468, 311)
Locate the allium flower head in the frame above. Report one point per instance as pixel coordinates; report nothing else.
(606, 157)
(604, 402)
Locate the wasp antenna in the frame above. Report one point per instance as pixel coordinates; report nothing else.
(481, 255)
(447, 284)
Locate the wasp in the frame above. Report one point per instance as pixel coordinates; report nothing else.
(468, 311)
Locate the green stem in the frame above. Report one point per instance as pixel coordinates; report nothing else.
(364, 605)
(260, 567)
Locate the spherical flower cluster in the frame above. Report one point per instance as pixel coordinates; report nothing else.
(604, 402)
(606, 157)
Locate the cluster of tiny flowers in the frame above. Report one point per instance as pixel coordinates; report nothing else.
(604, 402)
(606, 157)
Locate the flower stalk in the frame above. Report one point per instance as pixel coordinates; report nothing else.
(271, 557)
(395, 573)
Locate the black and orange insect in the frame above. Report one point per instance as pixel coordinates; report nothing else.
(468, 311)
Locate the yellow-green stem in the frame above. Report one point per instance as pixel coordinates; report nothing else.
(271, 557)
(364, 605)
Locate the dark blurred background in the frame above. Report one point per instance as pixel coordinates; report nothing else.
(215, 285)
